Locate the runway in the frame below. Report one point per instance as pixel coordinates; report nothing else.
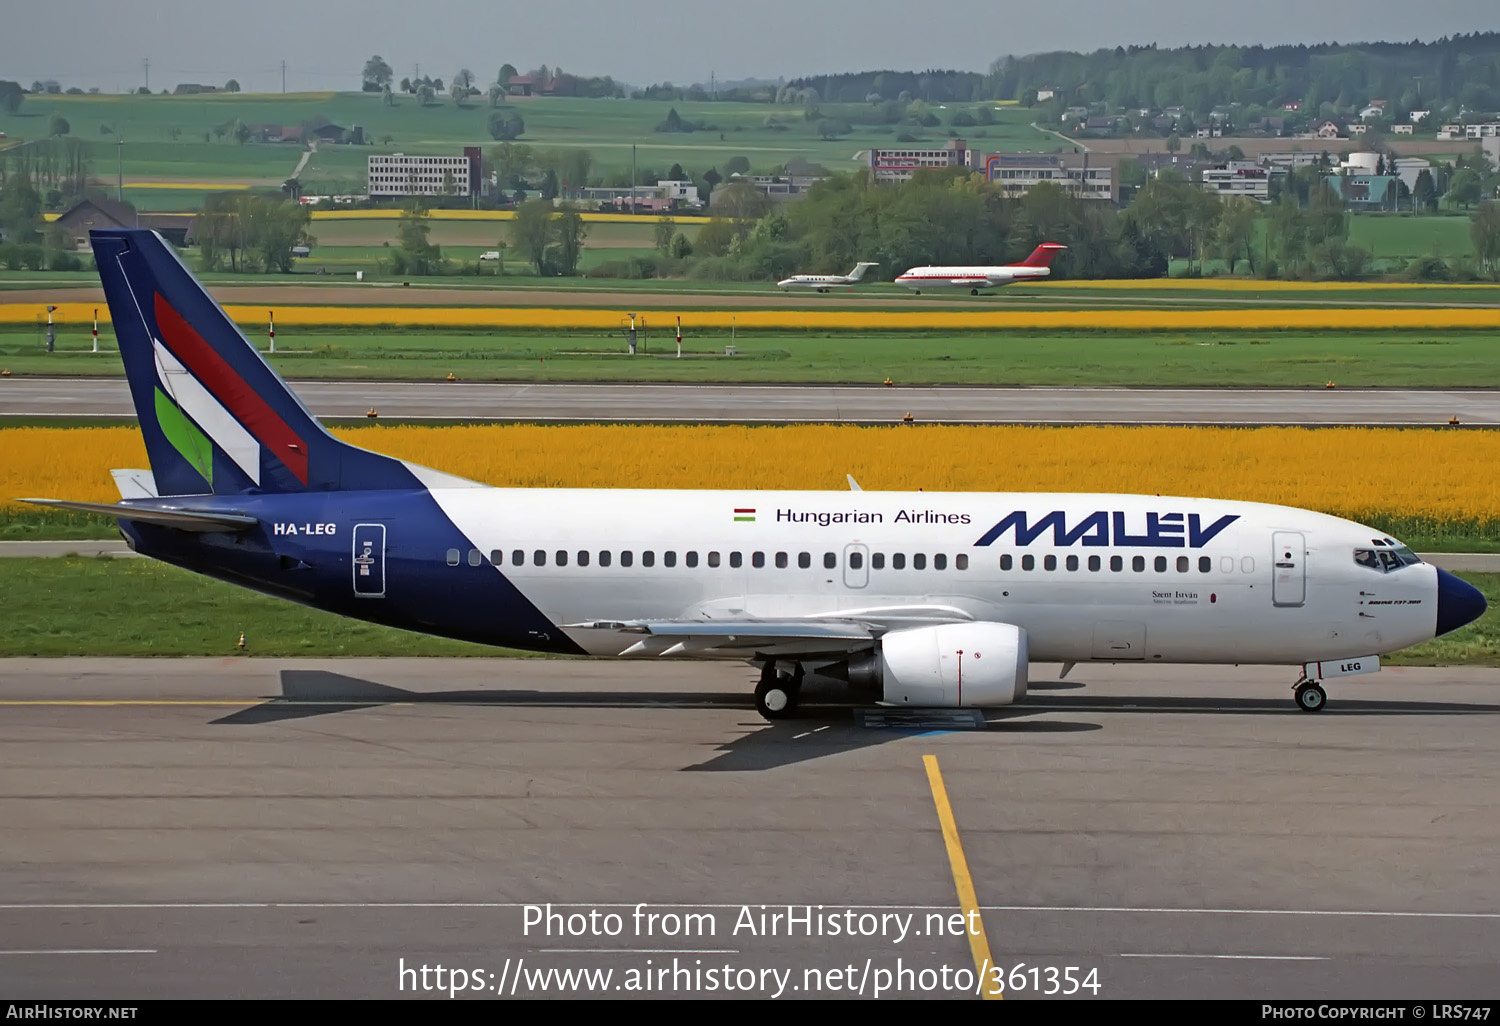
(309, 828)
(698, 403)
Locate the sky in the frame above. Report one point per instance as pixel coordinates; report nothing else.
(105, 43)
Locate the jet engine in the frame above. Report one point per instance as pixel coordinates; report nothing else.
(953, 664)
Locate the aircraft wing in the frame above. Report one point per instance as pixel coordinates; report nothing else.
(165, 516)
(849, 631)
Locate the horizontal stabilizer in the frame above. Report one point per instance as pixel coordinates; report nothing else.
(135, 484)
(164, 516)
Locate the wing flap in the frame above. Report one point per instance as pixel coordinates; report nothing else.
(165, 516)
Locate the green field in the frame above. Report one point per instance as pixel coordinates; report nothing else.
(608, 128)
(1414, 360)
(96, 607)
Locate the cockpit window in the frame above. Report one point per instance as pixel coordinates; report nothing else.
(1386, 560)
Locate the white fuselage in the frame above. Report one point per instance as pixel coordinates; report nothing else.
(969, 277)
(1104, 577)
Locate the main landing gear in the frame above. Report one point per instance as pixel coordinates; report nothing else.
(973, 292)
(1309, 695)
(778, 691)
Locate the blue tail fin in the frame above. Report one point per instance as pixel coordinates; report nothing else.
(216, 418)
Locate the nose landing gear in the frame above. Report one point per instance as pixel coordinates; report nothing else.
(1309, 695)
(778, 691)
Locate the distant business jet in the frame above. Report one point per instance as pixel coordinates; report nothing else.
(913, 598)
(824, 282)
(1038, 265)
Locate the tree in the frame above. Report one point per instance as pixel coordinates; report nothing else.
(549, 185)
(569, 230)
(11, 96)
(60, 125)
(406, 86)
(737, 166)
(426, 95)
(232, 86)
(531, 231)
(680, 248)
(507, 72)
(1234, 236)
(507, 125)
(415, 254)
(496, 94)
(1484, 229)
(464, 78)
(377, 73)
(20, 209)
(1173, 143)
(1463, 188)
(1424, 192)
(387, 97)
(512, 163)
(676, 174)
(241, 132)
(459, 94)
(661, 234)
(711, 180)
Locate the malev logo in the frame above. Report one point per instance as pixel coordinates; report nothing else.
(1109, 527)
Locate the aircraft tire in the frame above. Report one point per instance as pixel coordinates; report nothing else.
(1310, 696)
(973, 292)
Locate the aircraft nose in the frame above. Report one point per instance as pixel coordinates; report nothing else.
(1458, 603)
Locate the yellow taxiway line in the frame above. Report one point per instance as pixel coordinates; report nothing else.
(979, 944)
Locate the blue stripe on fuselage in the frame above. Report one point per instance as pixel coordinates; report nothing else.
(422, 592)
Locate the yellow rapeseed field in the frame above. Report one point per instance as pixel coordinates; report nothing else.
(1325, 318)
(1436, 477)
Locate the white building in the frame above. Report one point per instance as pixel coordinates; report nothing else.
(1402, 129)
(1018, 173)
(400, 175)
(1449, 132)
(898, 165)
(1485, 131)
(1240, 178)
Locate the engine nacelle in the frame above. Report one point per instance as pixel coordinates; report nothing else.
(952, 664)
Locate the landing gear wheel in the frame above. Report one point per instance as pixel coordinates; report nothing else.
(1310, 696)
(973, 292)
(776, 695)
(917, 291)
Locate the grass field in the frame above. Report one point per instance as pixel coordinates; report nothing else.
(96, 607)
(607, 128)
(1411, 359)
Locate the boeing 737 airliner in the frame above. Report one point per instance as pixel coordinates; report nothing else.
(921, 599)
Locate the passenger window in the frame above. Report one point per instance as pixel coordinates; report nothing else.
(1138, 564)
(1116, 563)
(713, 558)
(669, 558)
(1072, 562)
(1006, 562)
(1184, 564)
(1049, 562)
(940, 562)
(877, 561)
(804, 560)
(758, 560)
(1248, 565)
(1161, 564)
(583, 557)
(830, 561)
(856, 560)
(1205, 564)
(690, 559)
(919, 561)
(1226, 564)
(627, 557)
(648, 558)
(961, 561)
(453, 557)
(736, 560)
(562, 557)
(1095, 563)
(898, 561)
(781, 560)
(518, 558)
(475, 559)
(497, 556)
(604, 557)
(539, 558)
(1028, 562)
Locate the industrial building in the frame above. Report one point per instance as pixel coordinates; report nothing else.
(1017, 174)
(899, 164)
